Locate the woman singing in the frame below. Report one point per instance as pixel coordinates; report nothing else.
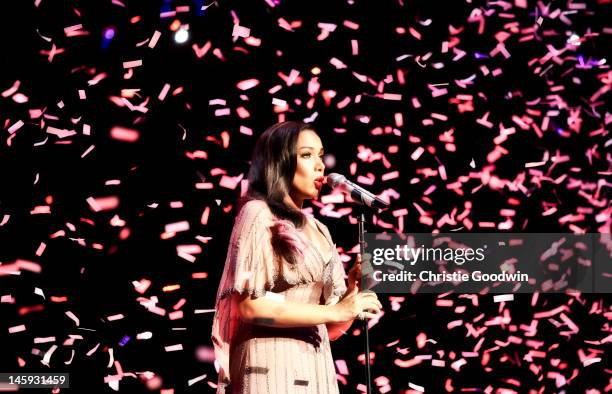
(283, 296)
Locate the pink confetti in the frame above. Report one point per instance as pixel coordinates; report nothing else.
(407, 363)
(15, 126)
(201, 51)
(71, 29)
(476, 130)
(61, 133)
(503, 298)
(16, 329)
(73, 317)
(164, 92)
(174, 348)
(326, 29)
(342, 367)
(177, 227)
(103, 203)
(354, 47)
(247, 84)
(132, 64)
(240, 31)
(337, 63)
(12, 90)
(124, 134)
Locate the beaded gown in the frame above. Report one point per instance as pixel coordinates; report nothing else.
(256, 358)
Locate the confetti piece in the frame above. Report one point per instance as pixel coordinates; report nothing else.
(39, 292)
(240, 31)
(15, 126)
(417, 153)
(195, 380)
(177, 227)
(47, 357)
(16, 329)
(416, 387)
(103, 203)
(201, 51)
(230, 182)
(591, 361)
(197, 311)
(132, 64)
(71, 29)
(337, 63)
(154, 39)
(73, 317)
(7, 299)
(164, 92)
(503, 298)
(174, 348)
(61, 133)
(144, 335)
(142, 285)
(87, 151)
(124, 134)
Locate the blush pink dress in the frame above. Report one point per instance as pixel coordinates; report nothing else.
(256, 358)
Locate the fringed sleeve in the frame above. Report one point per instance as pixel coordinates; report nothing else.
(249, 268)
(334, 285)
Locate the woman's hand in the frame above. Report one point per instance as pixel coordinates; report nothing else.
(354, 304)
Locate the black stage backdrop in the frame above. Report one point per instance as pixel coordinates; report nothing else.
(123, 152)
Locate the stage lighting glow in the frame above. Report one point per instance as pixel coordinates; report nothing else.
(329, 160)
(109, 33)
(175, 25)
(181, 36)
(574, 40)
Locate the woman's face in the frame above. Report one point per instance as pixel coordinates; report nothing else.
(308, 178)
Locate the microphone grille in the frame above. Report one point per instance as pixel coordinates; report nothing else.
(335, 180)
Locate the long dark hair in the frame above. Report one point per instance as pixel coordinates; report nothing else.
(272, 169)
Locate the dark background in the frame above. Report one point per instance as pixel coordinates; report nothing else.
(156, 170)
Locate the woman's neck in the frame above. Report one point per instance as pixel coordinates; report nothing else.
(294, 202)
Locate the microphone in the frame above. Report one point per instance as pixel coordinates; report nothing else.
(358, 193)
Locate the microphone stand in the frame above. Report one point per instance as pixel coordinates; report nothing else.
(361, 230)
(361, 196)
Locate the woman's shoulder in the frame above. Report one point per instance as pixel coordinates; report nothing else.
(254, 204)
(255, 209)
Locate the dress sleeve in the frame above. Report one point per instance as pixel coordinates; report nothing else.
(249, 268)
(334, 285)
(249, 265)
